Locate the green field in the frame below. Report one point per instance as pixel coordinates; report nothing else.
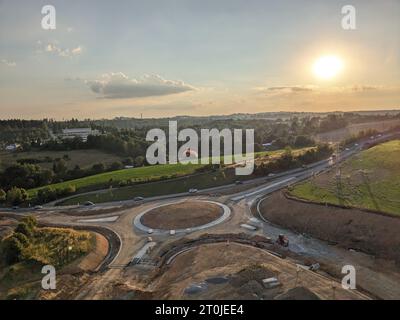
(150, 174)
(84, 158)
(198, 181)
(102, 180)
(369, 180)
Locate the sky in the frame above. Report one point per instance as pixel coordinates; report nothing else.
(205, 57)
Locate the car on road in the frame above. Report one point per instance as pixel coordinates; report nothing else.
(150, 231)
(88, 204)
(38, 207)
(15, 207)
(238, 182)
(193, 190)
(138, 198)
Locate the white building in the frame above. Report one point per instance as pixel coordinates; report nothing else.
(82, 133)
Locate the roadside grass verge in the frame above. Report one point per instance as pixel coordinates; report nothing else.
(369, 180)
(198, 181)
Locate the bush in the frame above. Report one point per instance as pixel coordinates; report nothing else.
(139, 161)
(46, 195)
(30, 221)
(3, 195)
(12, 249)
(117, 165)
(26, 227)
(16, 196)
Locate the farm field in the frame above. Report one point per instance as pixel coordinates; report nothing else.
(354, 129)
(370, 180)
(83, 158)
(154, 173)
(198, 181)
(102, 180)
(183, 184)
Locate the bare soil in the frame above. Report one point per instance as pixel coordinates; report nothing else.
(93, 259)
(368, 232)
(182, 215)
(245, 267)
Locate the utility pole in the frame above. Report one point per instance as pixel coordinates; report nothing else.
(333, 291)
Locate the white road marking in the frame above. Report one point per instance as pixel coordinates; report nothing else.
(262, 189)
(106, 219)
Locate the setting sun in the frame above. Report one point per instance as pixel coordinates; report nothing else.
(327, 67)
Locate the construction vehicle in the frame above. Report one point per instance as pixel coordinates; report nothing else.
(282, 240)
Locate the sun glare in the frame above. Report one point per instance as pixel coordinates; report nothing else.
(327, 67)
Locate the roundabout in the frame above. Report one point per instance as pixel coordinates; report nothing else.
(182, 217)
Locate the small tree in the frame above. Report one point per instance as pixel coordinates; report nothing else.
(116, 165)
(12, 249)
(14, 196)
(3, 195)
(139, 161)
(30, 221)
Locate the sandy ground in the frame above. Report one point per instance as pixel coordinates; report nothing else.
(245, 267)
(7, 225)
(182, 215)
(92, 260)
(348, 228)
(351, 228)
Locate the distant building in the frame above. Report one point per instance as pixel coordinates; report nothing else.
(13, 147)
(82, 133)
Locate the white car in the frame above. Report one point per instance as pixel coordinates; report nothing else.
(193, 190)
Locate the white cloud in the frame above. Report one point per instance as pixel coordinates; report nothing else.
(54, 48)
(119, 86)
(312, 89)
(77, 50)
(8, 63)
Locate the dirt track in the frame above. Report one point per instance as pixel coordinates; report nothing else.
(182, 215)
(374, 234)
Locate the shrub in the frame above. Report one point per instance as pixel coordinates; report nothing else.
(16, 196)
(3, 195)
